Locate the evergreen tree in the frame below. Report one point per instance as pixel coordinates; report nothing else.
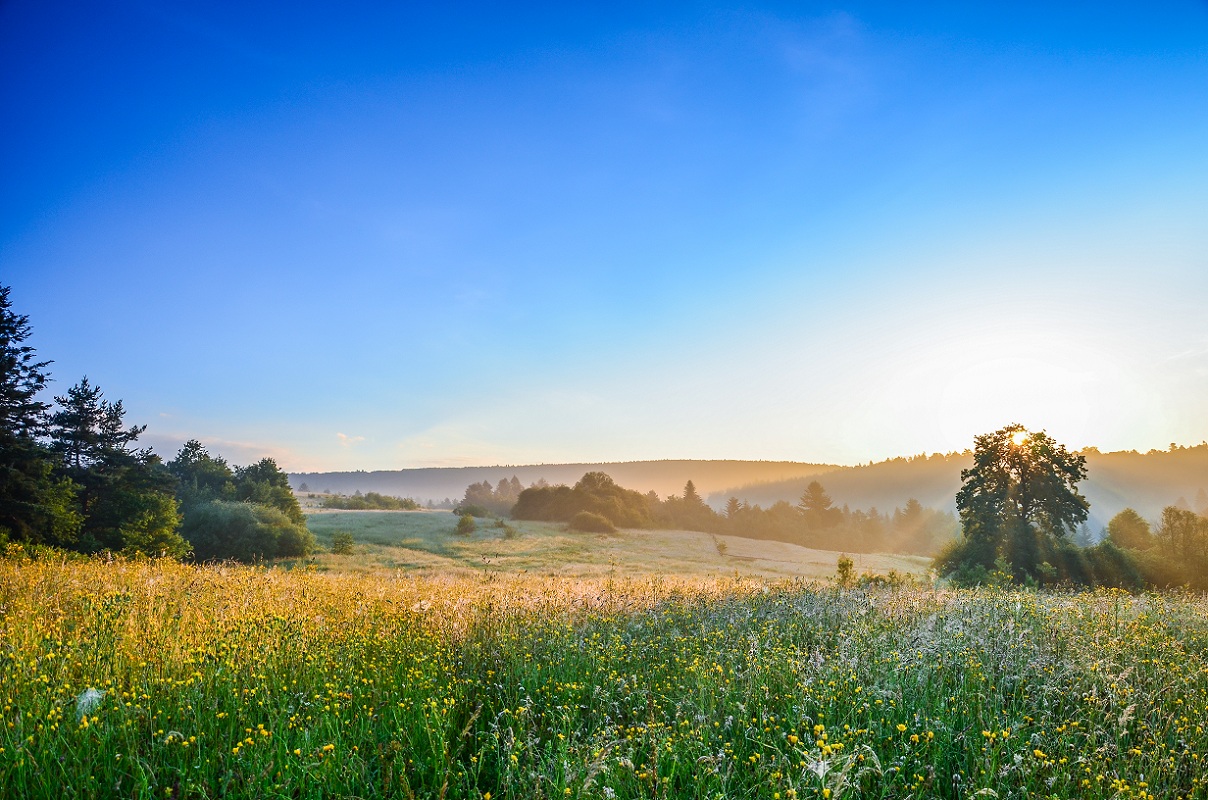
(126, 495)
(733, 508)
(87, 430)
(22, 376)
(35, 505)
(816, 508)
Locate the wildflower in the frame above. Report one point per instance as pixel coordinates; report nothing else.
(87, 702)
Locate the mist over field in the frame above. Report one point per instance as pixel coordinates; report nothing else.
(663, 477)
(603, 401)
(1146, 482)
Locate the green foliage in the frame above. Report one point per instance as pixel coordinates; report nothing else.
(484, 500)
(591, 522)
(342, 543)
(1128, 529)
(265, 484)
(913, 530)
(248, 532)
(36, 505)
(1183, 534)
(370, 501)
(125, 496)
(152, 530)
(22, 376)
(1020, 494)
(466, 525)
(595, 492)
(845, 572)
(519, 688)
(200, 477)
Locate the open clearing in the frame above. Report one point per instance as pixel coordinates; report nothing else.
(426, 541)
(150, 679)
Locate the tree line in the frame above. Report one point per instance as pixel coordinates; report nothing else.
(370, 501)
(73, 477)
(814, 522)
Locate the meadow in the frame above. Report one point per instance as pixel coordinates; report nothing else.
(159, 679)
(425, 542)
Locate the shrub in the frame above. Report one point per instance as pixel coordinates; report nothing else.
(590, 522)
(466, 525)
(845, 574)
(246, 532)
(341, 543)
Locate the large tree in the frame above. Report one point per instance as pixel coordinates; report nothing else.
(126, 495)
(35, 505)
(816, 508)
(200, 477)
(1129, 529)
(1019, 497)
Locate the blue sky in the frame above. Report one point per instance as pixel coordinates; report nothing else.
(381, 236)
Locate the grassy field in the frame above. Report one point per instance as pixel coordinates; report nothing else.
(425, 541)
(165, 680)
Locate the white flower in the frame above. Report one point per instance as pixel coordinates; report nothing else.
(87, 702)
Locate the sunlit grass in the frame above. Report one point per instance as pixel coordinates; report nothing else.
(425, 541)
(163, 680)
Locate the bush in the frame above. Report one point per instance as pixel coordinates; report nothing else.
(466, 525)
(590, 522)
(341, 543)
(247, 532)
(845, 574)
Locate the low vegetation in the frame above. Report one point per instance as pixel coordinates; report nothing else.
(588, 522)
(427, 543)
(370, 501)
(159, 679)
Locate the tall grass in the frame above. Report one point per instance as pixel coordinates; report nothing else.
(163, 680)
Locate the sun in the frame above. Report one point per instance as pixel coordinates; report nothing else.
(1019, 437)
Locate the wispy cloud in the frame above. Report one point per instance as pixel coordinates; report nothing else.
(349, 441)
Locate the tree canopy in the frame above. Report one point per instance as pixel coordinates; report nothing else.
(1018, 498)
(72, 476)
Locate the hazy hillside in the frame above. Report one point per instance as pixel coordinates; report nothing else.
(664, 477)
(1145, 481)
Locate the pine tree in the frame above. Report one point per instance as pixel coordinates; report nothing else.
(35, 505)
(126, 495)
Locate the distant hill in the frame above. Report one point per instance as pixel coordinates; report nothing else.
(663, 477)
(1146, 482)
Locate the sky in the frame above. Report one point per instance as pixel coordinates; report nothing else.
(380, 236)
